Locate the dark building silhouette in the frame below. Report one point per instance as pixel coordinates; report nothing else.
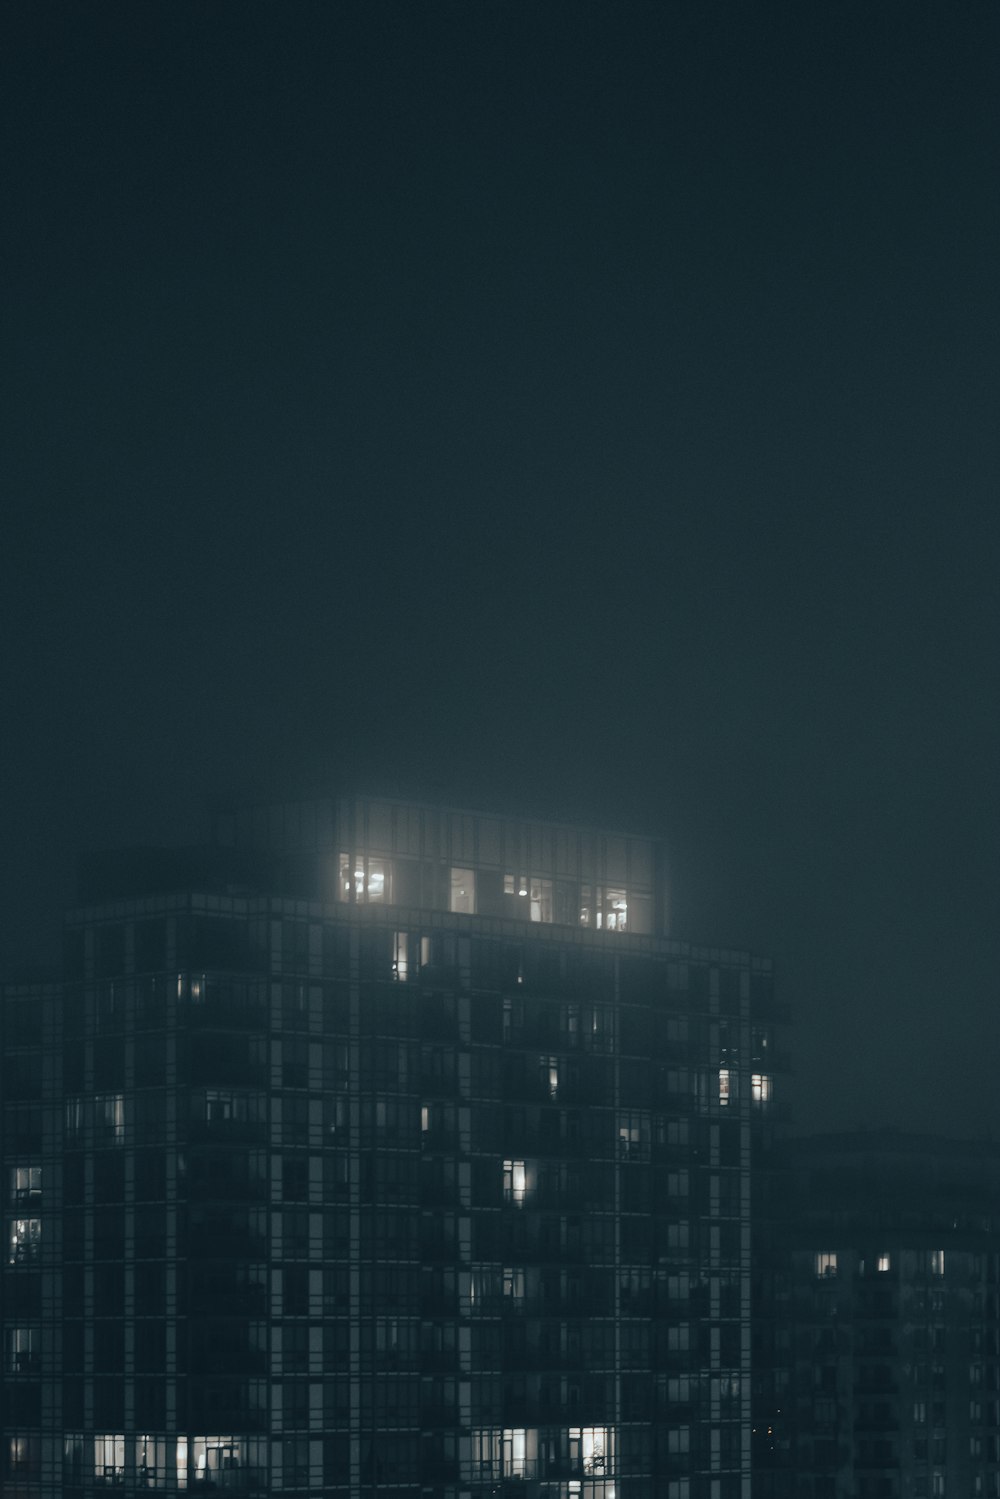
(382, 1149)
(877, 1326)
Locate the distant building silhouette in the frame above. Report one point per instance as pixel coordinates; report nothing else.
(877, 1328)
(382, 1149)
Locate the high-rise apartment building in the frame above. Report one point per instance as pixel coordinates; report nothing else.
(382, 1149)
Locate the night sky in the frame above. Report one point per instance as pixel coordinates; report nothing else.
(587, 410)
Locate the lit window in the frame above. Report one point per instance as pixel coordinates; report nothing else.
(937, 1262)
(151, 1462)
(24, 1240)
(631, 1133)
(586, 905)
(760, 1088)
(513, 1283)
(463, 891)
(550, 1067)
(400, 962)
(25, 1183)
(425, 1118)
(515, 1454)
(589, 1449)
(509, 887)
(514, 1182)
(541, 900)
(217, 1462)
(723, 1086)
(109, 1459)
(826, 1265)
(615, 910)
(364, 881)
(23, 1460)
(883, 1264)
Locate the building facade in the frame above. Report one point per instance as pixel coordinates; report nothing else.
(382, 1149)
(877, 1359)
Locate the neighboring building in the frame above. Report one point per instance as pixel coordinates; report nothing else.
(877, 1328)
(382, 1149)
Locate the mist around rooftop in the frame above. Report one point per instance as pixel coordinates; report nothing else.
(592, 418)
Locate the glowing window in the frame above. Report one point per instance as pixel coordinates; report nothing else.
(377, 880)
(509, 885)
(364, 881)
(541, 900)
(463, 891)
(589, 1448)
(515, 1452)
(400, 961)
(217, 1461)
(826, 1264)
(883, 1264)
(23, 1458)
(514, 1182)
(937, 1262)
(760, 1088)
(633, 1135)
(615, 910)
(24, 1240)
(109, 1458)
(550, 1072)
(723, 1086)
(25, 1183)
(513, 1283)
(151, 1462)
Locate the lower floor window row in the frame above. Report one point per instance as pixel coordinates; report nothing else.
(211, 1461)
(526, 1452)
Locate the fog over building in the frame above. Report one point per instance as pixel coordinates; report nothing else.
(383, 1148)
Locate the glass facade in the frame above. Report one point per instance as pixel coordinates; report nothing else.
(351, 1196)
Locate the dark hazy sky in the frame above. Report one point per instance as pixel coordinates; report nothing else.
(584, 408)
